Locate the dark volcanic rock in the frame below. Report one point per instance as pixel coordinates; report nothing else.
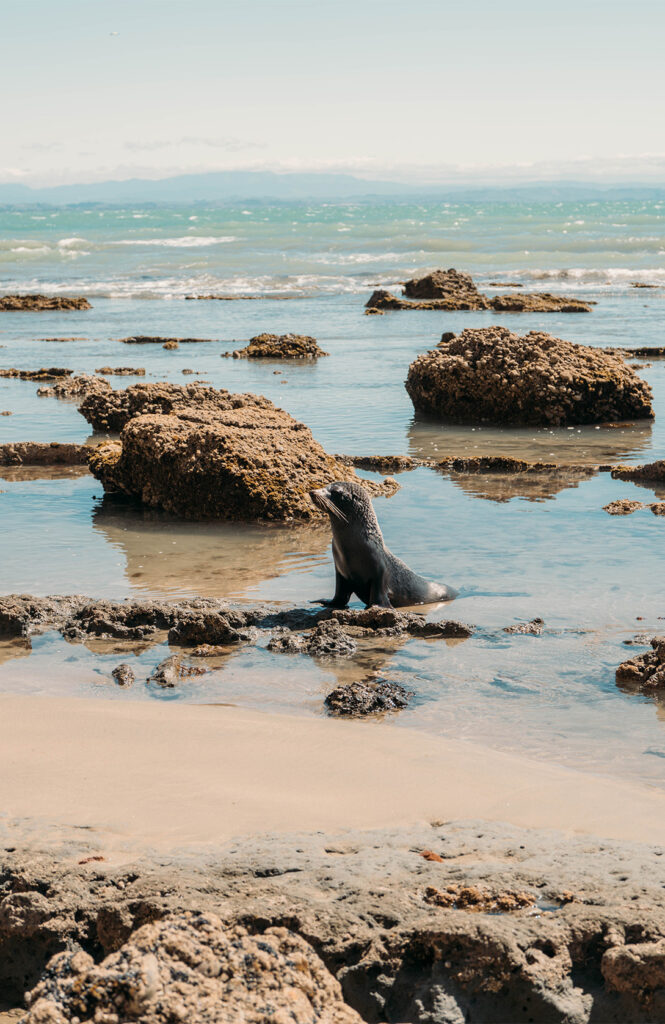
(376, 621)
(124, 675)
(284, 641)
(13, 303)
(33, 453)
(330, 641)
(193, 967)
(279, 346)
(490, 374)
(210, 627)
(214, 456)
(74, 387)
(51, 373)
(22, 614)
(368, 697)
(645, 672)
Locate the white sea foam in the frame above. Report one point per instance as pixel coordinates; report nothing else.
(184, 242)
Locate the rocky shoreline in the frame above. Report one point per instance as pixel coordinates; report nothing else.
(432, 924)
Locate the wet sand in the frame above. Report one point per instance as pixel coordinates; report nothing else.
(159, 777)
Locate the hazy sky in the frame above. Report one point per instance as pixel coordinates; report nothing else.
(391, 88)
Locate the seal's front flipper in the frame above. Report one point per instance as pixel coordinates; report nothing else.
(378, 594)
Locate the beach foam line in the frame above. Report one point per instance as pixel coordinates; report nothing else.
(167, 775)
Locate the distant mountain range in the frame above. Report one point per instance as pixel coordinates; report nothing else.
(229, 186)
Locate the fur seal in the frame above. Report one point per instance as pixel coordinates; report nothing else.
(363, 564)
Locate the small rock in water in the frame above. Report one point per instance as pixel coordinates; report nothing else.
(623, 507)
(286, 642)
(367, 697)
(170, 345)
(330, 641)
(208, 651)
(639, 640)
(171, 671)
(532, 628)
(657, 507)
(647, 671)
(124, 674)
(6, 412)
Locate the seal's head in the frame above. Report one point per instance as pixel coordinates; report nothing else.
(347, 503)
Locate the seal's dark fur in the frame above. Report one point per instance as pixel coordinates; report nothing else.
(363, 564)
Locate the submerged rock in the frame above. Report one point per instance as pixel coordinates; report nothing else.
(193, 967)
(368, 697)
(538, 302)
(213, 456)
(172, 671)
(646, 671)
(492, 375)
(623, 507)
(279, 346)
(50, 373)
(34, 453)
(39, 303)
(532, 628)
(150, 339)
(382, 463)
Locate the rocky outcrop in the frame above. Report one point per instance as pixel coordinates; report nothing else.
(454, 290)
(649, 473)
(623, 507)
(122, 371)
(33, 453)
(213, 456)
(41, 303)
(193, 967)
(645, 672)
(382, 463)
(451, 286)
(74, 387)
(492, 375)
(367, 697)
(279, 346)
(51, 373)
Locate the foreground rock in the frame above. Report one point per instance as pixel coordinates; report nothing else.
(645, 672)
(213, 456)
(74, 387)
(434, 924)
(41, 303)
(279, 346)
(454, 290)
(32, 453)
(492, 375)
(194, 967)
(368, 697)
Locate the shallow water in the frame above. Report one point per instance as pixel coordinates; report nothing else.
(515, 549)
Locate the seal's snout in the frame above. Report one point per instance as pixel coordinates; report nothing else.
(318, 498)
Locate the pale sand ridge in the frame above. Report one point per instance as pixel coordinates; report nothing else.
(170, 775)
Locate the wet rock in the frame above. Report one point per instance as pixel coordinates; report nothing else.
(368, 697)
(123, 371)
(6, 412)
(538, 302)
(284, 641)
(646, 671)
(658, 508)
(124, 675)
(372, 311)
(650, 472)
(172, 671)
(381, 463)
(490, 374)
(193, 967)
(639, 640)
(74, 387)
(643, 352)
(208, 651)
(329, 640)
(211, 628)
(505, 284)
(279, 346)
(641, 284)
(33, 453)
(381, 300)
(170, 345)
(623, 507)
(39, 303)
(452, 286)
(21, 615)
(149, 339)
(532, 628)
(220, 456)
(377, 621)
(49, 373)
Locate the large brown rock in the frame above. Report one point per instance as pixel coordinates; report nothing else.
(193, 967)
(490, 374)
(215, 455)
(452, 285)
(12, 303)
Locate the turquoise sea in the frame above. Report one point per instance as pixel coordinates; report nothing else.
(513, 552)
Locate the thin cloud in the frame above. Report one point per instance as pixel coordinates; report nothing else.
(229, 145)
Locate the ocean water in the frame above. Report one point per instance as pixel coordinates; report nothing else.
(513, 550)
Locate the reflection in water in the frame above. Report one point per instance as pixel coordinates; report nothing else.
(167, 556)
(10, 649)
(580, 445)
(532, 486)
(19, 474)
